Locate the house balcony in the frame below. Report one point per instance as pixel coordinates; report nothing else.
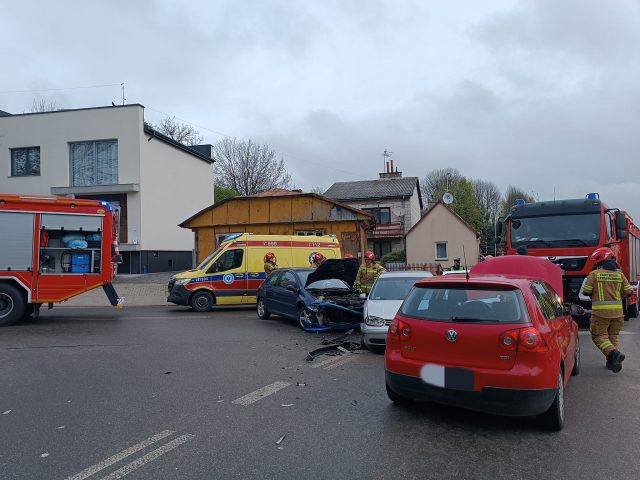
(387, 230)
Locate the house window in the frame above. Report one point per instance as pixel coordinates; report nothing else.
(94, 163)
(380, 248)
(25, 161)
(441, 251)
(310, 232)
(382, 215)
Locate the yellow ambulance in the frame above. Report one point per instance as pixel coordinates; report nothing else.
(232, 274)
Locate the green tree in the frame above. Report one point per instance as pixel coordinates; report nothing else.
(221, 192)
(467, 205)
(511, 195)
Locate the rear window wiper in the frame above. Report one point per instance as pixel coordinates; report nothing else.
(470, 319)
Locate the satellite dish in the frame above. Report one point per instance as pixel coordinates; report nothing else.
(398, 212)
(447, 198)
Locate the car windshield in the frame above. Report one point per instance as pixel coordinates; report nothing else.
(579, 230)
(207, 260)
(461, 304)
(303, 275)
(392, 288)
(331, 283)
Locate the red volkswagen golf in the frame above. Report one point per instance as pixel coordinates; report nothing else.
(498, 341)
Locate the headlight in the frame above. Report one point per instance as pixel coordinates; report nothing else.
(182, 281)
(374, 321)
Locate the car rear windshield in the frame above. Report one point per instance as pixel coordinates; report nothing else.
(392, 288)
(451, 304)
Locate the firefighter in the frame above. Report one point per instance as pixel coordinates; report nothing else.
(368, 272)
(270, 263)
(317, 259)
(456, 265)
(607, 286)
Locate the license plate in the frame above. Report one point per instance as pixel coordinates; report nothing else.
(448, 377)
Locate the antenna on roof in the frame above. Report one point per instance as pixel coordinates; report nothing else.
(123, 99)
(386, 154)
(466, 269)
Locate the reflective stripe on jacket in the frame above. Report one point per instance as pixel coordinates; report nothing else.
(607, 288)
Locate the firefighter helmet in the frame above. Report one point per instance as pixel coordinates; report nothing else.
(601, 254)
(269, 257)
(369, 255)
(317, 257)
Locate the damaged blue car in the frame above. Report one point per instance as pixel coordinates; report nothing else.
(319, 300)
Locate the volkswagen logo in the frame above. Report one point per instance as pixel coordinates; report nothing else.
(452, 335)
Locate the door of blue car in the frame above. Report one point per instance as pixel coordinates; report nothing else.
(285, 295)
(267, 288)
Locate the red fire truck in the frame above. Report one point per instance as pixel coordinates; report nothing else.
(568, 231)
(52, 249)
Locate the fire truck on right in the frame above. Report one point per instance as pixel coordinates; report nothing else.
(567, 232)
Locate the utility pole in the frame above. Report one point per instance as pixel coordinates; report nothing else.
(123, 99)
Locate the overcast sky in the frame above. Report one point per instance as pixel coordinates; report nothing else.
(538, 94)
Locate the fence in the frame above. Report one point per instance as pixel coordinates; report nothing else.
(401, 266)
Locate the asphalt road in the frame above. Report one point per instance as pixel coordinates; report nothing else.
(150, 393)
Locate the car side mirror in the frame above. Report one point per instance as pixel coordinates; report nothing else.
(574, 310)
(291, 288)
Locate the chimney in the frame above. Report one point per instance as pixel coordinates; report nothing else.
(390, 172)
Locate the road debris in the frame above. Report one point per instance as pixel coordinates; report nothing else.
(44, 455)
(301, 384)
(168, 373)
(280, 440)
(7, 412)
(354, 402)
(61, 427)
(287, 405)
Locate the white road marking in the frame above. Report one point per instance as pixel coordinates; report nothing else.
(119, 456)
(259, 394)
(341, 362)
(149, 457)
(331, 359)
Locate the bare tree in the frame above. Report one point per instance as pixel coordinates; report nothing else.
(180, 132)
(511, 195)
(489, 197)
(248, 167)
(318, 190)
(42, 105)
(435, 183)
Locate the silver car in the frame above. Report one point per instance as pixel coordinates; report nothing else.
(383, 302)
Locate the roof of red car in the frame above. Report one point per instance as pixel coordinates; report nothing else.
(512, 270)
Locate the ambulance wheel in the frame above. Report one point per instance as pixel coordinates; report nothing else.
(201, 301)
(12, 305)
(263, 313)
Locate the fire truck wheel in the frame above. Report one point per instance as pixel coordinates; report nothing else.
(12, 305)
(201, 301)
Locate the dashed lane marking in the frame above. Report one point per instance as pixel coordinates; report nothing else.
(344, 360)
(331, 359)
(92, 470)
(149, 457)
(261, 393)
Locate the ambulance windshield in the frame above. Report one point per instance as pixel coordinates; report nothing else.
(207, 260)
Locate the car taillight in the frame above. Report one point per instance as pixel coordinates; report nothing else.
(509, 339)
(400, 329)
(531, 340)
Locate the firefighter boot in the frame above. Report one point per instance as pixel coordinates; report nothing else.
(614, 360)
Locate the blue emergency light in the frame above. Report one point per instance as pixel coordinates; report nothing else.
(520, 201)
(106, 204)
(592, 196)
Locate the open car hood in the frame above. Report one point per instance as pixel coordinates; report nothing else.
(535, 268)
(344, 269)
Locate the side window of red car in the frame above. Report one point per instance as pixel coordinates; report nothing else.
(545, 300)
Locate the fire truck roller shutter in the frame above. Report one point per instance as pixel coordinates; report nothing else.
(16, 241)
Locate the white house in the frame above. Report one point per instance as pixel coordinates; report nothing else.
(108, 153)
(394, 201)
